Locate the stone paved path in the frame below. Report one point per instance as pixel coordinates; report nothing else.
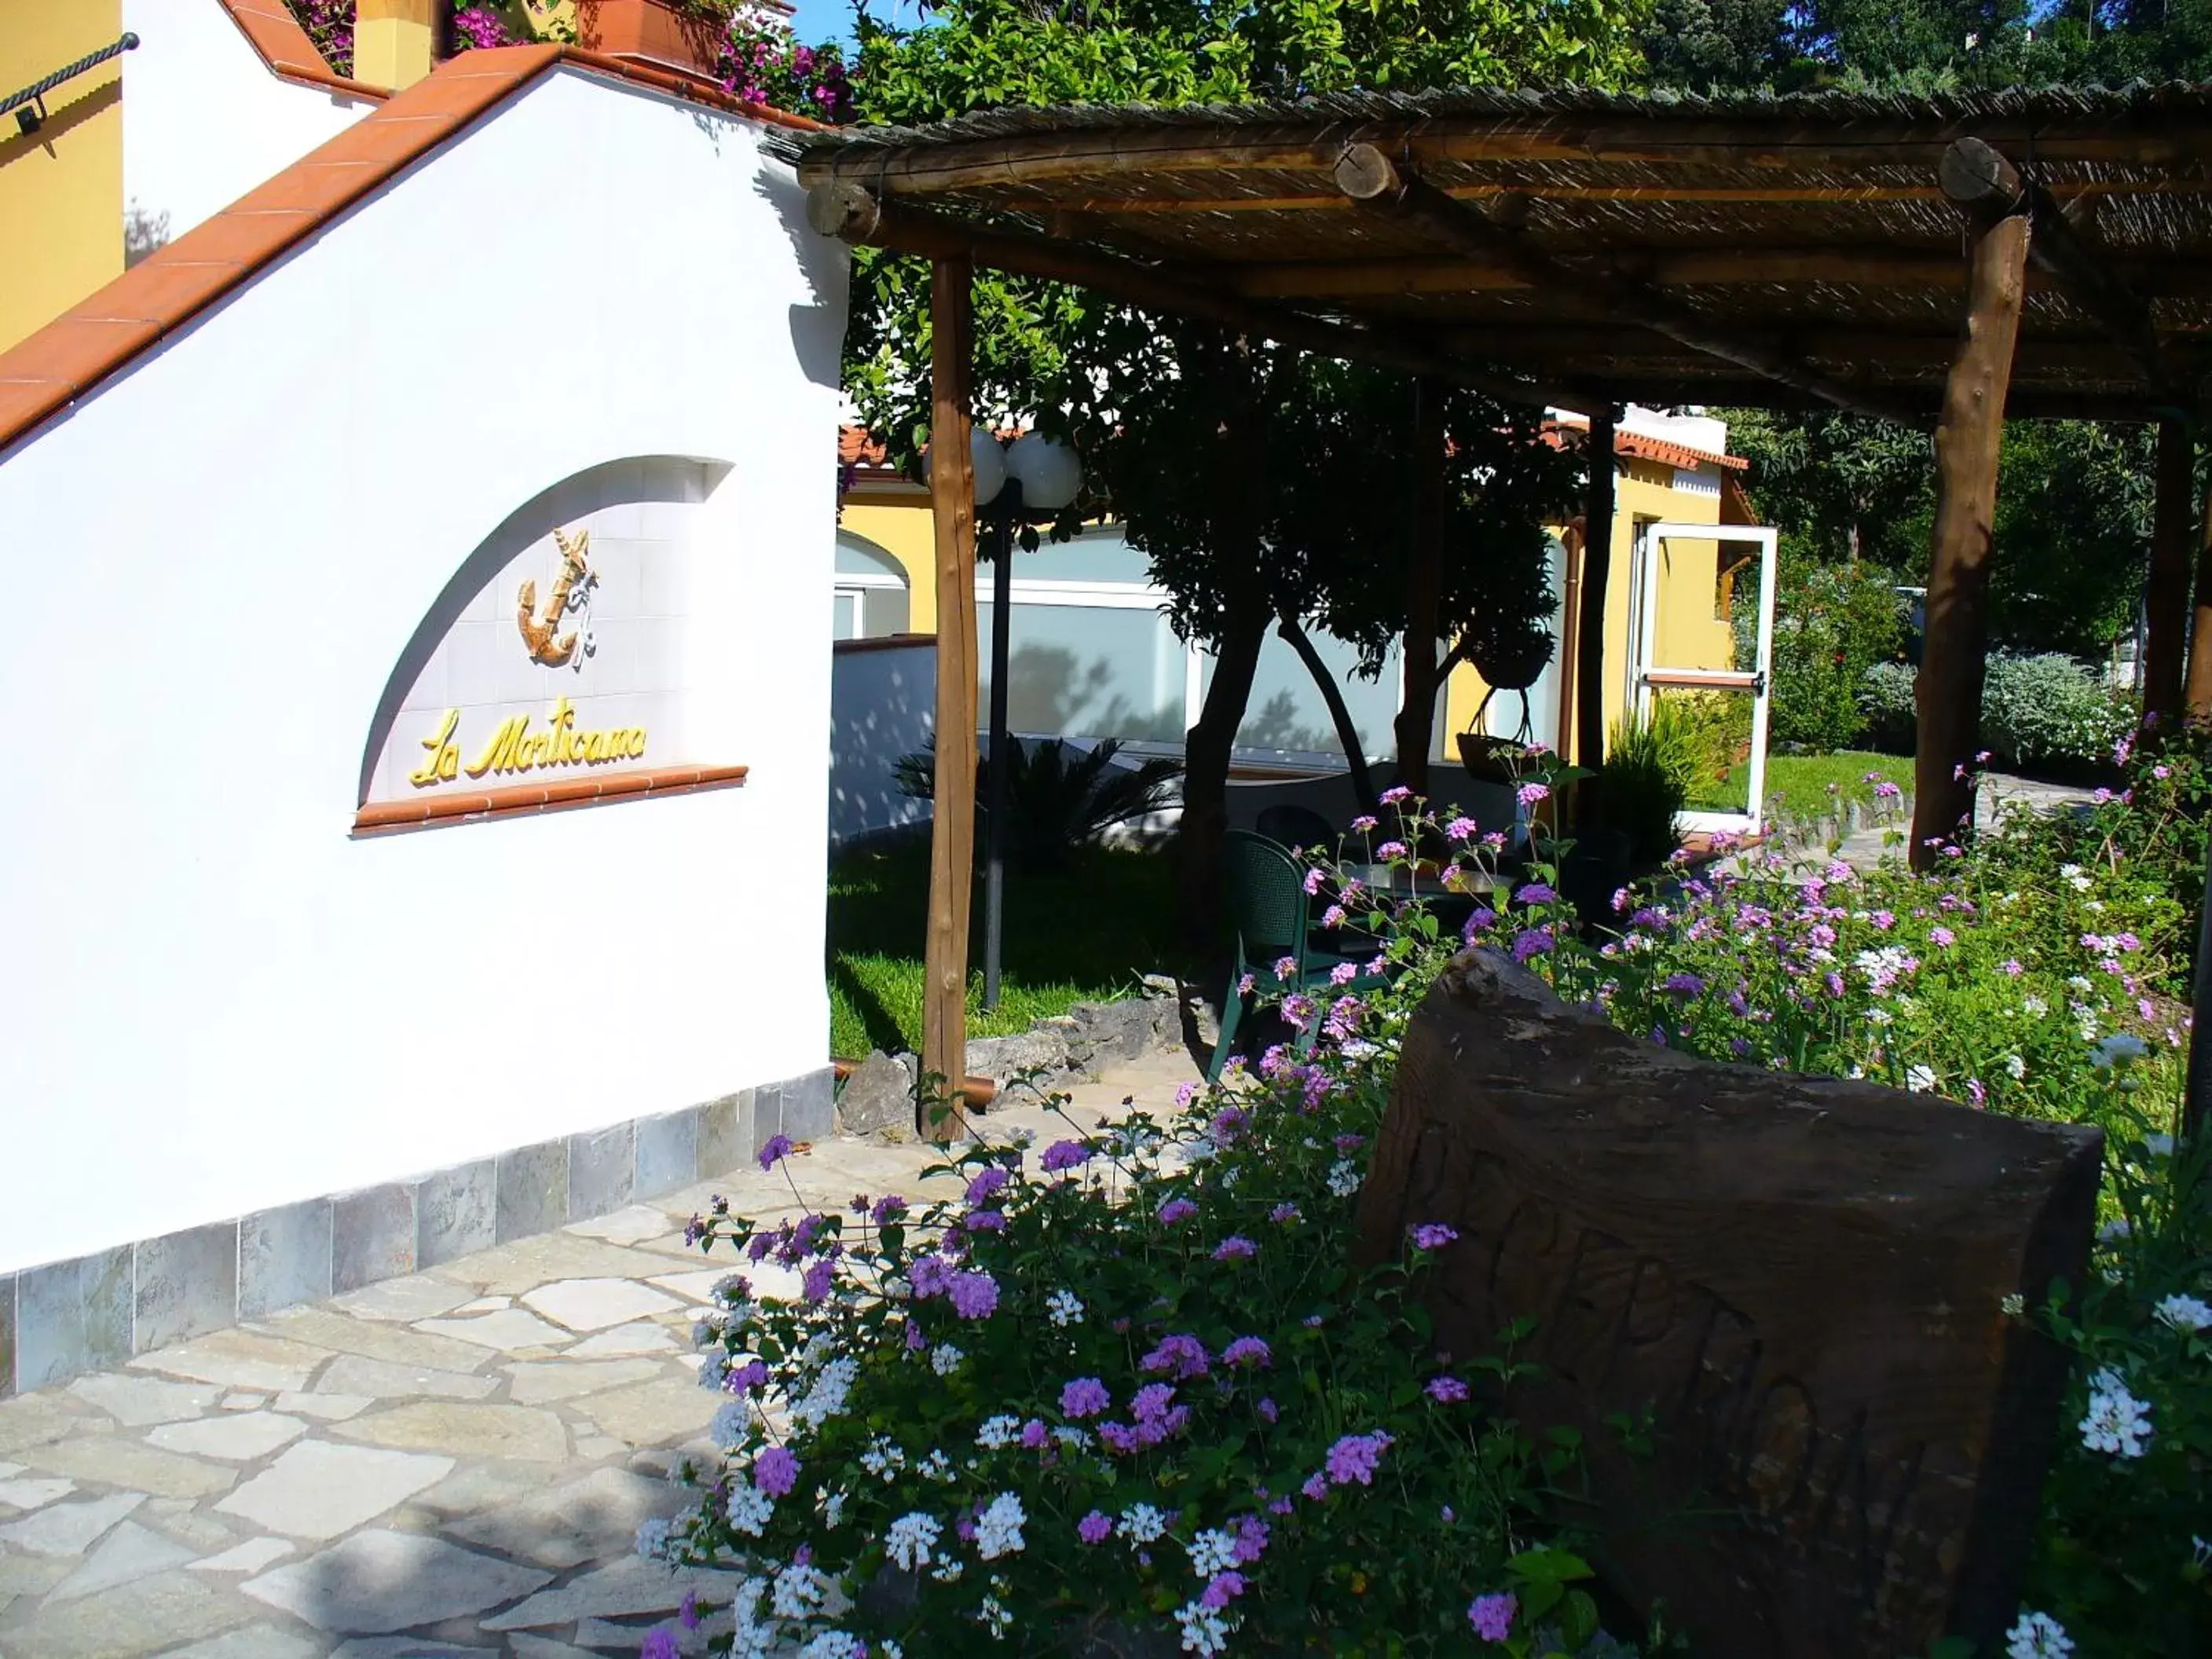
(455, 1463)
(1865, 847)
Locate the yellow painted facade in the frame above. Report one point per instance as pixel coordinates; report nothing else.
(392, 41)
(61, 187)
(895, 516)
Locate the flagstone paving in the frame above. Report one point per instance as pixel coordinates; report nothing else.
(451, 1463)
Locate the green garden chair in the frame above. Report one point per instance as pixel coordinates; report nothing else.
(1273, 916)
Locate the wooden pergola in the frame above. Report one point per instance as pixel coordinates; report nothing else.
(1945, 262)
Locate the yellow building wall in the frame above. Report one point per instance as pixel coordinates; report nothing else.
(897, 519)
(61, 188)
(1689, 637)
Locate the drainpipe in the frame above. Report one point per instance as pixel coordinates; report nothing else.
(396, 42)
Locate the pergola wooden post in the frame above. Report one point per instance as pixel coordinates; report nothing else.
(2197, 698)
(952, 829)
(1416, 724)
(1597, 563)
(2166, 595)
(1967, 439)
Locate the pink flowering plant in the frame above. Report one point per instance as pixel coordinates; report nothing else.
(1132, 1389)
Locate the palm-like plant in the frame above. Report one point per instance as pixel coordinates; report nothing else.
(1057, 797)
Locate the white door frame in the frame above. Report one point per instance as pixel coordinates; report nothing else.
(1648, 675)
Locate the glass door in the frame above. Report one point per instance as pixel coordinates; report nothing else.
(1701, 651)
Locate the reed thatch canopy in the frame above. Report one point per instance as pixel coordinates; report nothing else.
(1583, 248)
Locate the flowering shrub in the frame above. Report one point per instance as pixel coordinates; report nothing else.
(2048, 710)
(329, 24)
(1131, 1394)
(1831, 623)
(764, 63)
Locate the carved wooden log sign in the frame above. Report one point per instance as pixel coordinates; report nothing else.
(1797, 1278)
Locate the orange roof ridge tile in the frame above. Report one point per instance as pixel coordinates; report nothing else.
(63, 361)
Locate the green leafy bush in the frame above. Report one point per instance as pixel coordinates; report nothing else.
(1885, 702)
(1644, 784)
(1831, 622)
(2044, 711)
(1053, 803)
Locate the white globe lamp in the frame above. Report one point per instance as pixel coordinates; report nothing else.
(988, 459)
(1048, 472)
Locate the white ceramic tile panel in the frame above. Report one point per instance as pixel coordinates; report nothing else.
(660, 571)
(430, 687)
(615, 558)
(617, 663)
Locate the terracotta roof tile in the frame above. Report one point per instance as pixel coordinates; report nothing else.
(45, 373)
(1646, 447)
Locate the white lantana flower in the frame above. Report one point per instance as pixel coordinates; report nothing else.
(945, 1358)
(797, 1593)
(1064, 1307)
(998, 1432)
(1343, 1178)
(2016, 1066)
(749, 1509)
(1213, 1550)
(1920, 1077)
(883, 1459)
(911, 1539)
(1142, 1524)
(2116, 1422)
(826, 1398)
(2186, 1313)
(998, 1531)
(1204, 1631)
(2038, 1636)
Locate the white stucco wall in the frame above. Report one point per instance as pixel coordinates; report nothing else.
(883, 704)
(214, 997)
(203, 120)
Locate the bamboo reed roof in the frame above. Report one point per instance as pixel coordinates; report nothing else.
(1563, 244)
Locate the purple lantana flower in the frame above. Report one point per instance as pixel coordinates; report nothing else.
(1177, 1209)
(1236, 1248)
(1433, 1235)
(1492, 1616)
(1446, 1390)
(779, 1148)
(776, 1471)
(975, 1295)
(1094, 1529)
(1064, 1154)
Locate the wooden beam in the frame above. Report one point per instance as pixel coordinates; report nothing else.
(952, 829)
(1776, 145)
(2166, 594)
(857, 216)
(1417, 704)
(1977, 176)
(1597, 564)
(1364, 173)
(1508, 341)
(1948, 692)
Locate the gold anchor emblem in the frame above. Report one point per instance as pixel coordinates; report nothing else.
(538, 635)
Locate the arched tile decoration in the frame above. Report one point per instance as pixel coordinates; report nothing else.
(551, 669)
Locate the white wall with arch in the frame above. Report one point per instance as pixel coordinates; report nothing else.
(216, 998)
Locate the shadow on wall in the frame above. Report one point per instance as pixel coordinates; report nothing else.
(883, 698)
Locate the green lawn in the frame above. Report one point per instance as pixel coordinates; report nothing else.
(1797, 785)
(1080, 937)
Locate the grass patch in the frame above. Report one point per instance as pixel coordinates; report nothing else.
(1797, 785)
(1081, 936)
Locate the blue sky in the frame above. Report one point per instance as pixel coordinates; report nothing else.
(817, 20)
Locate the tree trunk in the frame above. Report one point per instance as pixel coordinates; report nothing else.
(1416, 724)
(1355, 755)
(1597, 564)
(1205, 753)
(2199, 696)
(1967, 437)
(2166, 596)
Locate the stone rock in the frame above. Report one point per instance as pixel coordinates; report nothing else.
(318, 1490)
(523, 1646)
(477, 1487)
(617, 1590)
(178, 1519)
(1040, 1048)
(326, 1407)
(526, 1264)
(509, 1328)
(695, 1286)
(29, 1575)
(382, 1580)
(110, 1461)
(591, 1519)
(262, 1642)
(138, 1403)
(878, 1095)
(33, 1419)
(537, 1382)
(159, 1614)
(372, 1340)
(464, 1429)
(31, 1494)
(237, 1359)
(406, 1647)
(622, 1340)
(252, 1556)
(402, 1301)
(128, 1552)
(653, 1413)
(352, 1376)
(631, 1226)
(244, 1402)
(485, 1304)
(593, 1304)
(70, 1529)
(602, 1633)
(238, 1439)
(1113, 1033)
(1801, 1276)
